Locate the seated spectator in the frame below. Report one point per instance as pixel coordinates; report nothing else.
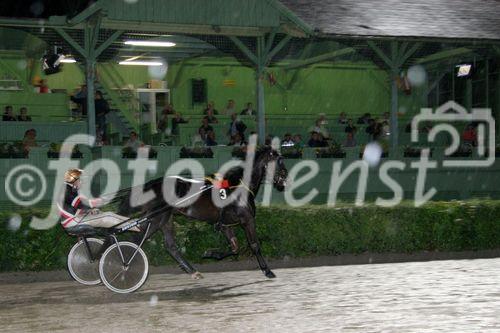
(168, 109)
(342, 119)
(210, 117)
(23, 115)
(385, 129)
(248, 111)
(230, 107)
(236, 127)
(204, 129)
(211, 107)
(297, 141)
(176, 121)
(322, 119)
(365, 119)
(370, 129)
(210, 139)
(350, 128)
(320, 128)
(316, 140)
(470, 135)
(29, 140)
(237, 140)
(134, 142)
(8, 115)
(386, 116)
(42, 87)
(287, 141)
(350, 141)
(268, 140)
(427, 127)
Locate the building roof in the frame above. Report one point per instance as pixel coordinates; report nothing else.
(464, 19)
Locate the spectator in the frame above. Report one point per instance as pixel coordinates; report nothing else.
(365, 119)
(42, 87)
(210, 117)
(204, 129)
(386, 130)
(342, 119)
(210, 139)
(168, 109)
(237, 140)
(162, 123)
(230, 107)
(297, 141)
(134, 142)
(176, 121)
(427, 127)
(80, 99)
(23, 115)
(29, 140)
(370, 129)
(210, 106)
(322, 119)
(8, 115)
(248, 111)
(236, 127)
(470, 135)
(386, 116)
(101, 110)
(316, 140)
(320, 128)
(350, 128)
(287, 141)
(350, 141)
(268, 140)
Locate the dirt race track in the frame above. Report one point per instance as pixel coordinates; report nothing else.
(436, 296)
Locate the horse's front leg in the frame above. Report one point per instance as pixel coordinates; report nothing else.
(248, 225)
(168, 229)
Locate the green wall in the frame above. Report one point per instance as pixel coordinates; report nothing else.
(331, 89)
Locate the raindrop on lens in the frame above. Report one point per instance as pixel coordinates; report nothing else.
(417, 75)
(153, 301)
(372, 154)
(14, 222)
(37, 8)
(22, 64)
(130, 1)
(158, 72)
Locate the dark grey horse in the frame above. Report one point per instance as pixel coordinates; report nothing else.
(203, 208)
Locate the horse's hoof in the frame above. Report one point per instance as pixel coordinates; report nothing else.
(196, 276)
(270, 274)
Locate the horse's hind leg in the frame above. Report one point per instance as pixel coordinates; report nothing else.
(168, 229)
(248, 225)
(233, 242)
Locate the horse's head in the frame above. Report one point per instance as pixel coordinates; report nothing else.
(268, 155)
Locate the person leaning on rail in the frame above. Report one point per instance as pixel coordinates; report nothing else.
(75, 209)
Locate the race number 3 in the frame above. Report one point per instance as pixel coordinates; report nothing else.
(223, 194)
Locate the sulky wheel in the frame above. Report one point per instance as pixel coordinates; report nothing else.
(81, 267)
(116, 274)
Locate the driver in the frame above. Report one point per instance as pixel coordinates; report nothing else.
(76, 209)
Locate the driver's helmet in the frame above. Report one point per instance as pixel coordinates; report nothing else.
(72, 175)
